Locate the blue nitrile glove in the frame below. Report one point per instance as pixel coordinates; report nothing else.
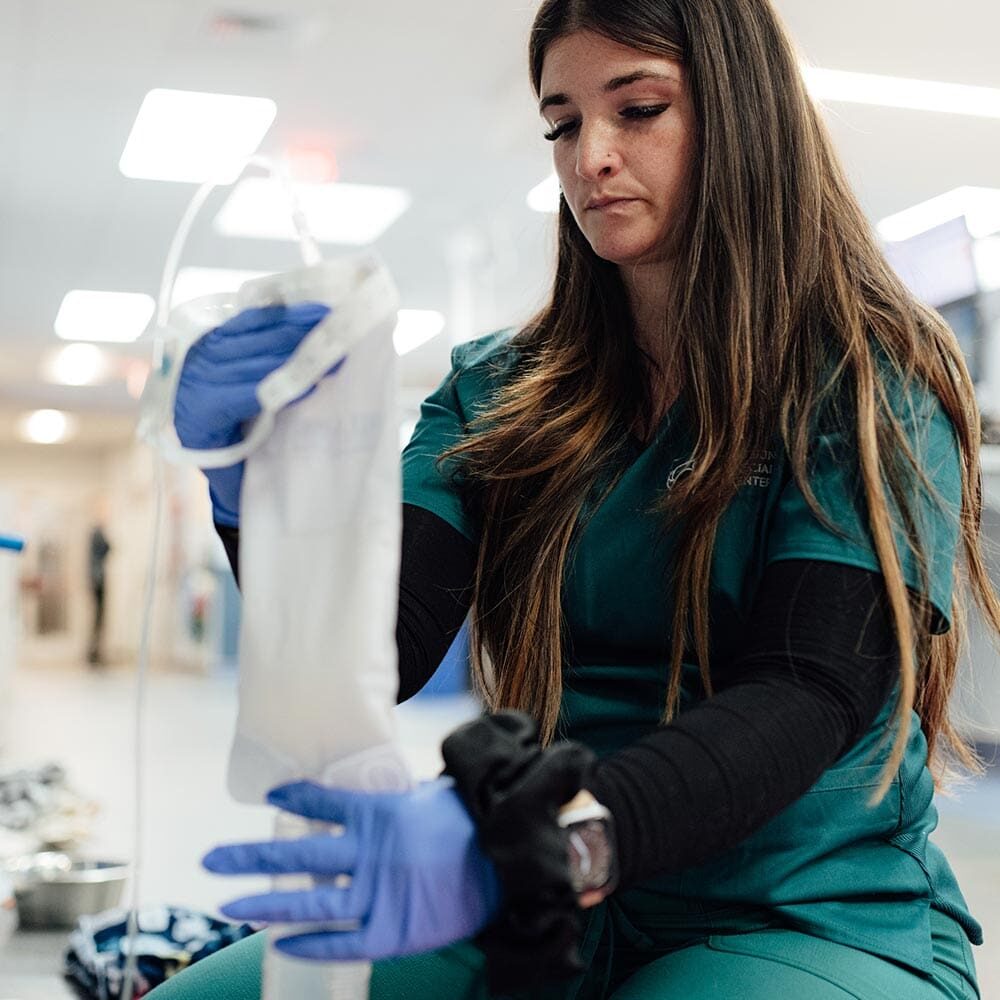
(217, 390)
(419, 880)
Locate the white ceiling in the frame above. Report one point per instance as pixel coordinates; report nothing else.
(432, 97)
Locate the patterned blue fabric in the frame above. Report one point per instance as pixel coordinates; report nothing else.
(169, 940)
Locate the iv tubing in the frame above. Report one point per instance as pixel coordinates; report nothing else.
(311, 256)
(131, 958)
(307, 243)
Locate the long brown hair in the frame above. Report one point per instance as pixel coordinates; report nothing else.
(786, 310)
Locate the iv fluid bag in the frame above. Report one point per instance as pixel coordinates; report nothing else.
(319, 565)
(319, 554)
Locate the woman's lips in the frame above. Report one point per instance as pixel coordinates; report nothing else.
(606, 203)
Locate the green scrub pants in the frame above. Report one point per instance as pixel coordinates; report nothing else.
(767, 964)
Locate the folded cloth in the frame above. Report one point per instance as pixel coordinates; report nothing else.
(170, 939)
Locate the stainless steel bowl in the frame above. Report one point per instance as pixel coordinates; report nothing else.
(54, 890)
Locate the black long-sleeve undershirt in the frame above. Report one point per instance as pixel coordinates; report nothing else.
(818, 663)
(816, 666)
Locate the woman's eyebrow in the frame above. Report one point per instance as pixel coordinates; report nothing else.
(642, 74)
(614, 84)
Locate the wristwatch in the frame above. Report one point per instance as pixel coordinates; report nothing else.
(593, 854)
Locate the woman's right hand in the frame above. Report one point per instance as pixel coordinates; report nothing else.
(217, 391)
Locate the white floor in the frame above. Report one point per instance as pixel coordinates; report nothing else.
(83, 719)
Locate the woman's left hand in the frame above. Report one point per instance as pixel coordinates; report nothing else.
(417, 877)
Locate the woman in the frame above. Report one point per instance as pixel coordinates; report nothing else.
(706, 510)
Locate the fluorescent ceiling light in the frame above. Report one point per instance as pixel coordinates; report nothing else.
(193, 282)
(355, 214)
(897, 92)
(937, 266)
(416, 327)
(118, 317)
(544, 197)
(182, 135)
(76, 364)
(987, 257)
(46, 427)
(979, 206)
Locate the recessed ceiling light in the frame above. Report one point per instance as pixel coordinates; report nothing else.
(415, 327)
(898, 92)
(544, 197)
(46, 427)
(76, 364)
(193, 282)
(183, 135)
(980, 207)
(118, 317)
(354, 214)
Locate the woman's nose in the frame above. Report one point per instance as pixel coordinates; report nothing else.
(597, 154)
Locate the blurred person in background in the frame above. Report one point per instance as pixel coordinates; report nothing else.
(712, 514)
(99, 548)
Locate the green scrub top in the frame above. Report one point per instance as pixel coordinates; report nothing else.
(829, 864)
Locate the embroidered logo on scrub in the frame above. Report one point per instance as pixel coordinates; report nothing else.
(682, 469)
(760, 470)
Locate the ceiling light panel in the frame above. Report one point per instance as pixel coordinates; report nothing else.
(898, 92)
(351, 214)
(116, 317)
(415, 327)
(987, 258)
(183, 135)
(406, 429)
(937, 265)
(979, 206)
